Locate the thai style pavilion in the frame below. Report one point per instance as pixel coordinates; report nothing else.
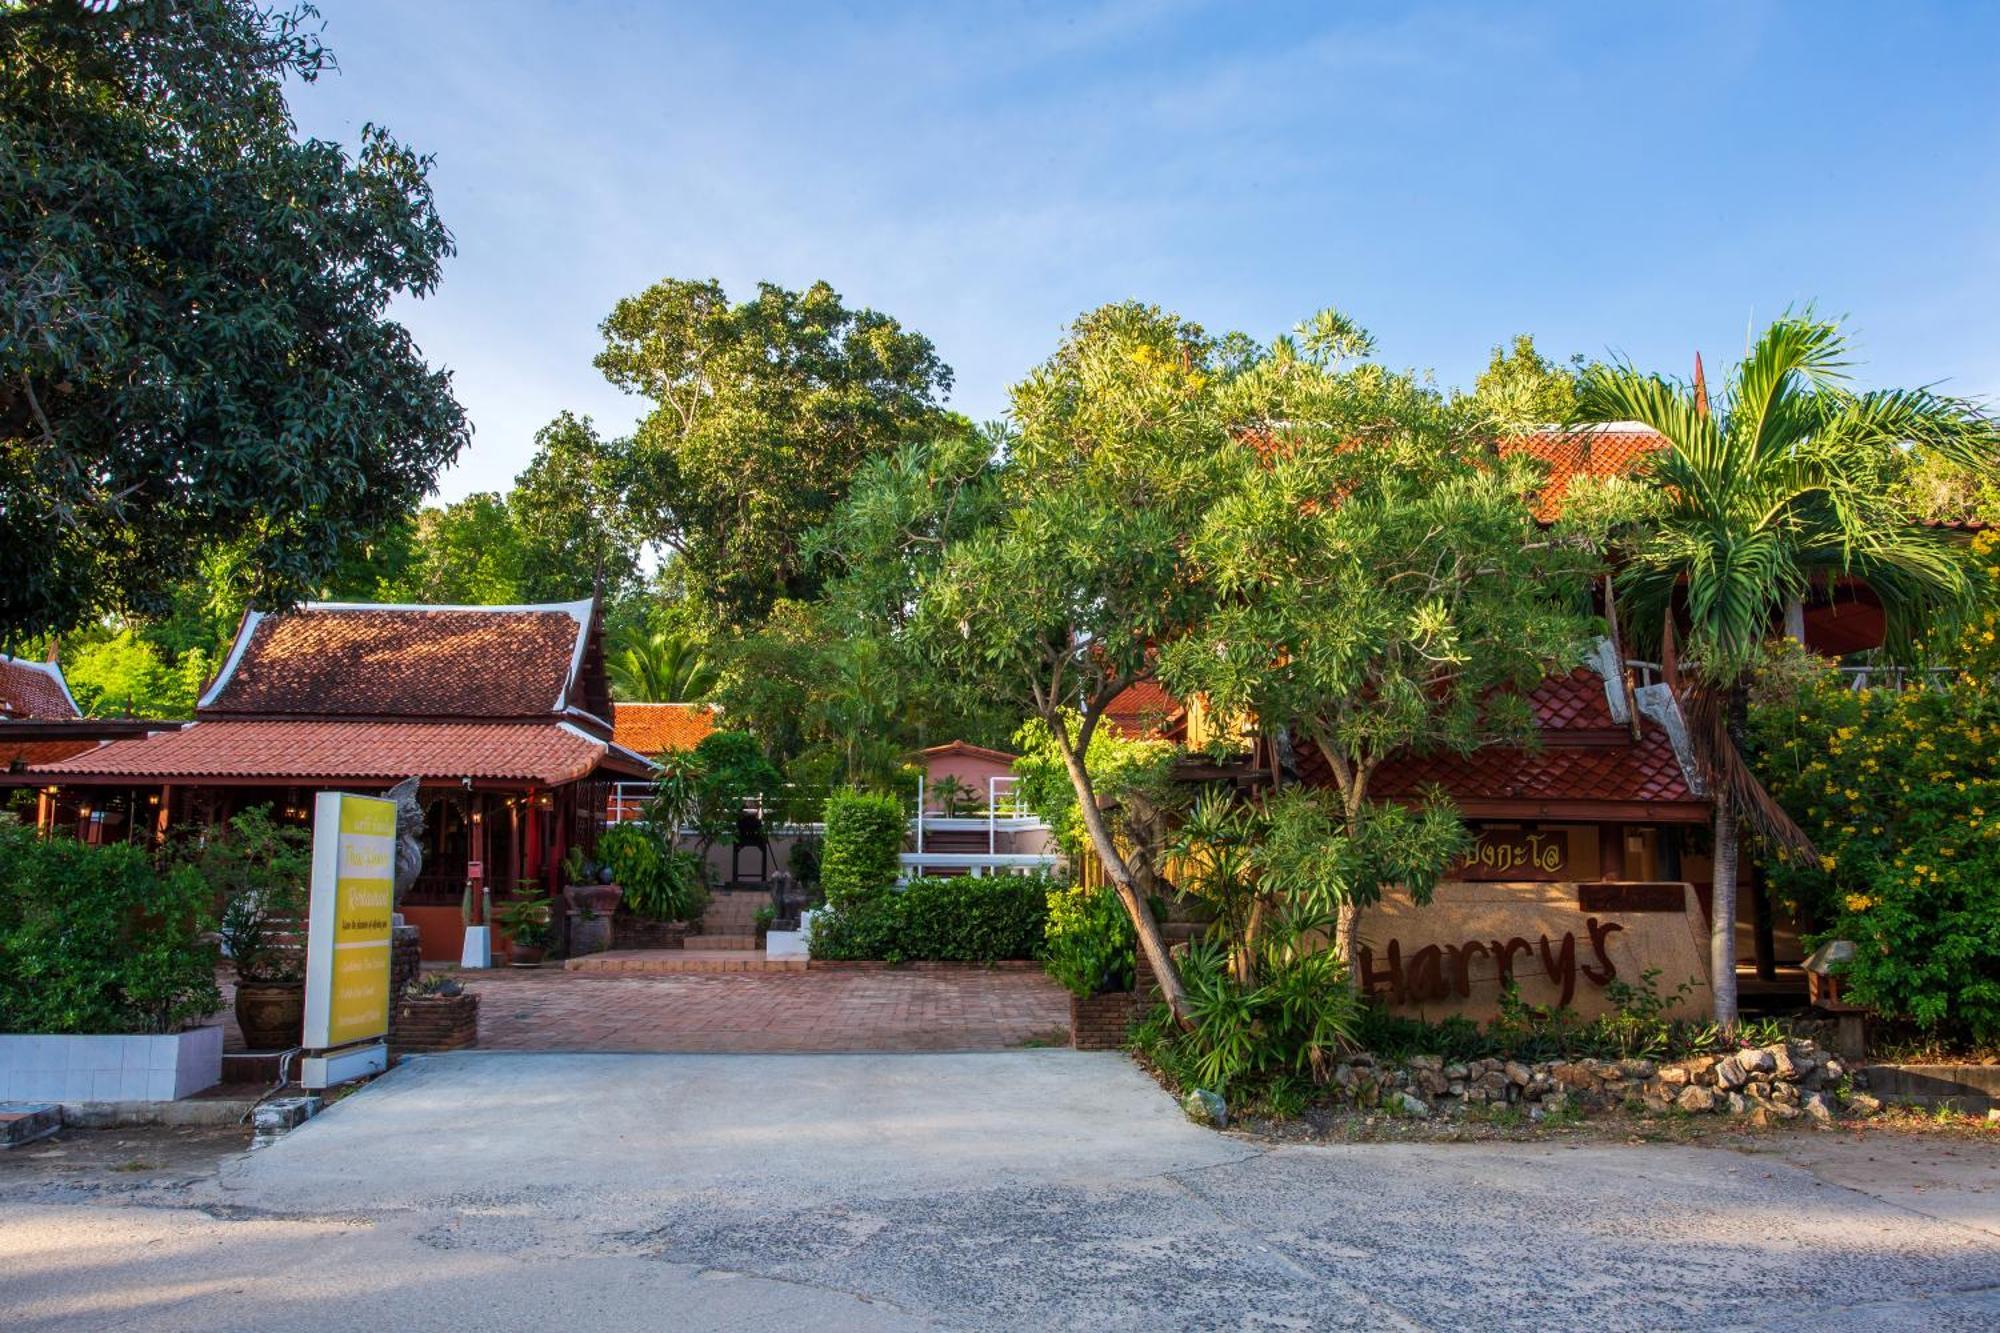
(502, 711)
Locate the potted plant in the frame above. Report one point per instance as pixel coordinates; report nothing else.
(953, 797)
(262, 871)
(526, 922)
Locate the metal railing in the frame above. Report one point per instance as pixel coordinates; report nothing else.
(1858, 677)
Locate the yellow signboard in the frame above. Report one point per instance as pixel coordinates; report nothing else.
(348, 929)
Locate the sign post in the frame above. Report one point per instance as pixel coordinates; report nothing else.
(347, 938)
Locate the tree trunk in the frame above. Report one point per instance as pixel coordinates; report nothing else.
(1151, 942)
(1722, 914)
(1344, 942)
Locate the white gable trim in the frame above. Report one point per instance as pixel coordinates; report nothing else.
(251, 620)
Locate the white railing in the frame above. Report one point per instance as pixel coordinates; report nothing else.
(980, 864)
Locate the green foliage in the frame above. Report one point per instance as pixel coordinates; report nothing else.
(971, 919)
(570, 509)
(196, 347)
(1248, 1038)
(1792, 481)
(661, 667)
(764, 411)
(527, 921)
(730, 769)
(952, 796)
(95, 940)
(125, 676)
(661, 882)
(864, 839)
(1088, 944)
(1900, 793)
(1124, 770)
(467, 553)
(804, 860)
(1525, 390)
(261, 873)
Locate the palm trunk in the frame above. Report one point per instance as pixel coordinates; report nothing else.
(1151, 942)
(1722, 914)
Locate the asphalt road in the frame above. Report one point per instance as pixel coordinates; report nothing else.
(1024, 1190)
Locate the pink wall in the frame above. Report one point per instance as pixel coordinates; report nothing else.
(969, 769)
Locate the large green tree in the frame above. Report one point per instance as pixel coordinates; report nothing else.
(193, 341)
(1380, 586)
(570, 511)
(1059, 602)
(763, 412)
(1787, 484)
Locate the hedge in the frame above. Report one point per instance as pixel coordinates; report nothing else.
(971, 919)
(864, 841)
(95, 940)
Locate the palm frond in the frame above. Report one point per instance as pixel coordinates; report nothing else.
(1794, 355)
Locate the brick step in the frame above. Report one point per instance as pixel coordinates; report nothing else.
(683, 960)
(254, 1066)
(722, 940)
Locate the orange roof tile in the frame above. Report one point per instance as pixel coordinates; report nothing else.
(1595, 451)
(335, 750)
(1585, 757)
(331, 660)
(648, 728)
(34, 690)
(1144, 711)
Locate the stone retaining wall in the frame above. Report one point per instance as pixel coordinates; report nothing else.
(636, 932)
(1777, 1082)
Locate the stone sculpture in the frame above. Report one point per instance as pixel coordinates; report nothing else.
(409, 835)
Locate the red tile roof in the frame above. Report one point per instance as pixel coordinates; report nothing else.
(15, 753)
(1144, 711)
(1596, 451)
(969, 750)
(1585, 758)
(331, 750)
(659, 728)
(34, 689)
(326, 660)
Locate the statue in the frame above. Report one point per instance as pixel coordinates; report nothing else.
(409, 835)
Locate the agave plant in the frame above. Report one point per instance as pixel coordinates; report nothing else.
(1787, 485)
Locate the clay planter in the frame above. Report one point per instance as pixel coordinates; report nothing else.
(272, 1014)
(525, 955)
(590, 911)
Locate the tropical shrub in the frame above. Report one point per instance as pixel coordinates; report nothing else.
(1282, 1032)
(1900, 793)
(1088, 945)
(864, 841)
(96, 940)
(1123, 770)
(969, 919)
(661, 883)
(260, 873)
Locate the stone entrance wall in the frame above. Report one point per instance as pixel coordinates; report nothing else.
(1561, 943)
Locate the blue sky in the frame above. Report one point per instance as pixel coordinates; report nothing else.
(1646, 180)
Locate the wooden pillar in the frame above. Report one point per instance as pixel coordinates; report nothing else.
(45, 813)
(533, 868)
(1610, 852)
(1764, 943)
(164, 820)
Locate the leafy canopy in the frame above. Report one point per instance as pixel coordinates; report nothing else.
(194, 347)
(1789, 484)
(763, 411)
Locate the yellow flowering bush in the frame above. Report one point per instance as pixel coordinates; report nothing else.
(1909, 843)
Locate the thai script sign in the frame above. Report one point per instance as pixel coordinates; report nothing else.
(1516, 854)
(348, 928)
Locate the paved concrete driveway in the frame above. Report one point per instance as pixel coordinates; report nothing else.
(1037, 1189)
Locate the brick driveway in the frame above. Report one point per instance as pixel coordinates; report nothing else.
(969, 1009)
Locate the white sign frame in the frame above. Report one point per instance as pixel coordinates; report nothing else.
(351, 857)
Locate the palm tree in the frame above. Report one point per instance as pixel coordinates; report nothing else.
(662, 668)
(1785, 488)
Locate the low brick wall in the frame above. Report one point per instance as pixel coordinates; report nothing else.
(636, 932)
(1972, 1089)
(1100, 1022)
(922, 965)
(436, 1023)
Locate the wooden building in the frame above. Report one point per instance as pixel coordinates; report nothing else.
(502, 711)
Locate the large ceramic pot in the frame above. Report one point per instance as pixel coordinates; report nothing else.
(525, 955)
(272, 1014)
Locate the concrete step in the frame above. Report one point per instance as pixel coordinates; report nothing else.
(655, 961)
(724, 941)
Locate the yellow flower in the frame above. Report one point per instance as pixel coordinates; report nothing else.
(1826, 862)
(1859, 902)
